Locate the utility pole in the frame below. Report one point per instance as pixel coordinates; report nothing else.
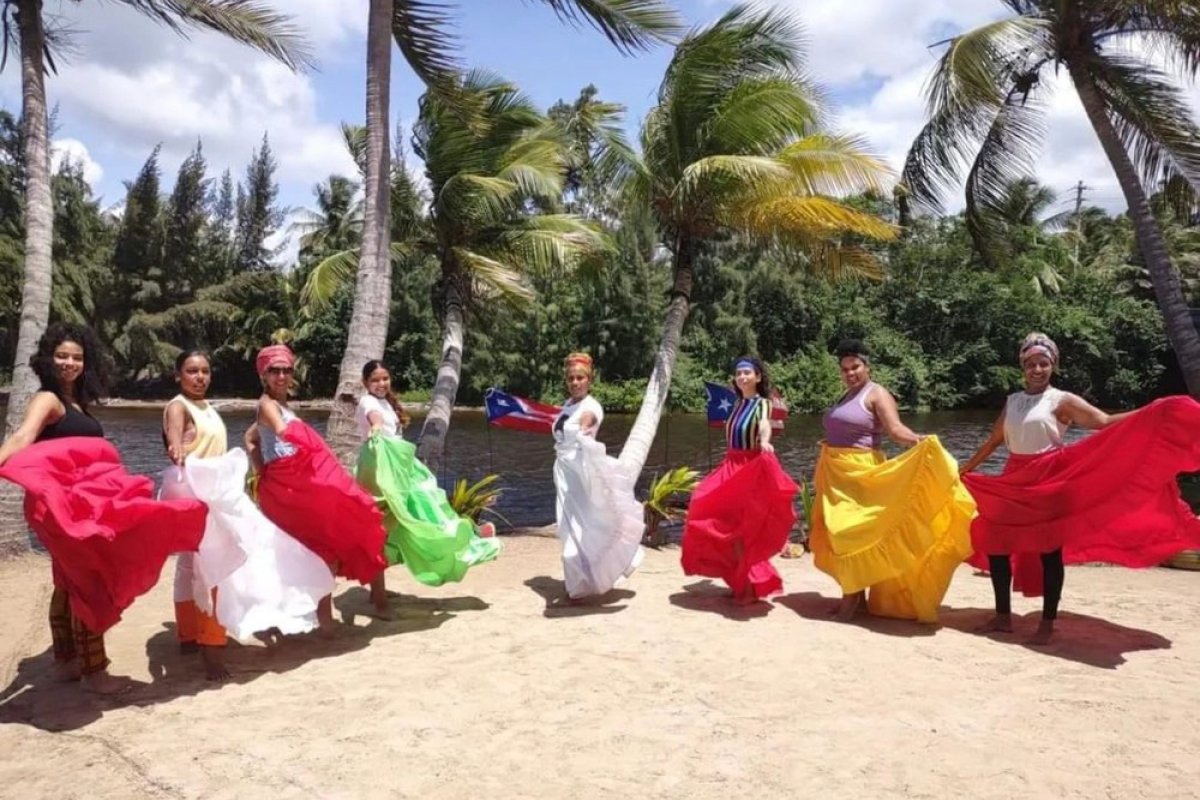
(1079, 189)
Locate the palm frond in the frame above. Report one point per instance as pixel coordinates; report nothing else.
(1151, 116)
(493, 278)
(844, 262)
(805, 219)
(629, 24)
(719, 177)
(760, 115)
(251, 22)
(423, 33)
(825, 163)
(980, 73)
(326, 279)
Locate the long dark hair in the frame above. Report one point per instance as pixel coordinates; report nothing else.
(184, 355)
(764, 383)
(92, 383)
(391, 398)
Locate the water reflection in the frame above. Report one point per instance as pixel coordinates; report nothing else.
(524, 460)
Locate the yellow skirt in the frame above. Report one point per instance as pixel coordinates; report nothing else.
(900, 527)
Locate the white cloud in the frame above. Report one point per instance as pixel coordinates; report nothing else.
(877, 54)
(76, 152)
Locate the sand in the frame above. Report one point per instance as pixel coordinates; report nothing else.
(490, 689)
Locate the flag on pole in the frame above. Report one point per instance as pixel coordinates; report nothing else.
(779, 412)
(720, 403)
(506, 410)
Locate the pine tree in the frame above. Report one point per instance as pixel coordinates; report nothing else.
(258, 216)
(137, 262)
(219, 235)
(183, 246)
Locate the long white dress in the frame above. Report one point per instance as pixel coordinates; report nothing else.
(600, 521)
(264, 578)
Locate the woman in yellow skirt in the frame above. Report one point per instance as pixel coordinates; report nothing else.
(898, 527)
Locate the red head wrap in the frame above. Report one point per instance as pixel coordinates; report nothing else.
(578, 360)
(274, 355)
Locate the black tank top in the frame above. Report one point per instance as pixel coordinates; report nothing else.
(72, 423)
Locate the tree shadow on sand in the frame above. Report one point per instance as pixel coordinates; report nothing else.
(36, 698)
(713, 599)
(559, 604)
(1081, 638)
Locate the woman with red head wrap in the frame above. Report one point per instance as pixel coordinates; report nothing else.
(303, 488)
(1112, 497)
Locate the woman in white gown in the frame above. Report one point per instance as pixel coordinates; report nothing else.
(600, 522)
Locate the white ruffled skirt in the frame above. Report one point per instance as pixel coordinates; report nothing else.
(264, 578)
(600, 521)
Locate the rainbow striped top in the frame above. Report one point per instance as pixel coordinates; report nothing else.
(741, 429)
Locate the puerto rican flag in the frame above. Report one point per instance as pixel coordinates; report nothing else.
(506, 410)
(721, 400)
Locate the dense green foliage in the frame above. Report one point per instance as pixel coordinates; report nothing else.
(194, 266)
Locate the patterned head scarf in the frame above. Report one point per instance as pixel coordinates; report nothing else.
(582, 360)
(1038, 344)
(274, 355)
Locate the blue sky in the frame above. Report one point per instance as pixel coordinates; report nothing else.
(134, 84)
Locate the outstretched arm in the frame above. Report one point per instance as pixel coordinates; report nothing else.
(1077, 411)
(994, 440)
(174, 426)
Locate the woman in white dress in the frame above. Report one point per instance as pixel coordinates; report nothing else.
(600, 522)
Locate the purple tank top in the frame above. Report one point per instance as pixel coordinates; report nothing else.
(850, 424)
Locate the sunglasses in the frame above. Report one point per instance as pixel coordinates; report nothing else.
(280, 370)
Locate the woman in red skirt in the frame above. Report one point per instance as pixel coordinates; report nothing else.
(741, 513)
(1112, 497)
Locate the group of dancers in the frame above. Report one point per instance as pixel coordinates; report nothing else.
(263, 562)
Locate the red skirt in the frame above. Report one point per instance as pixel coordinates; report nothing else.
(738, 519)
(107, 536)
(1112, 497)
(313, 498)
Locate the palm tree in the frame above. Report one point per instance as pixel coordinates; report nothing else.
(252, 23)
(735, 143)
(985, 109)
(485, 174)
(422, 30)
(336, 224)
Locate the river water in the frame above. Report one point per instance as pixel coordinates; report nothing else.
(524, 461)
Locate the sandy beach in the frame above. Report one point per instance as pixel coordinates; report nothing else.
(491, 688)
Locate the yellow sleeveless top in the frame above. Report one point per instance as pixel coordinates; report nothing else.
(210, 438)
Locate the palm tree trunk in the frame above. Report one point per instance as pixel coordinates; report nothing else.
(373, 284)
(641, 436)
(1181, 332)
(39, 236)
(432, 443)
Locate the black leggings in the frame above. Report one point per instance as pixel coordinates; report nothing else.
(1053, 574)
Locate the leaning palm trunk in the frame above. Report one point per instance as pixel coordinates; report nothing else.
(641, 436)
(39, 235)
(373, 283)
(432, 443)
(1181, 332)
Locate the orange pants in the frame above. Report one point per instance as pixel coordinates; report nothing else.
(193, 625)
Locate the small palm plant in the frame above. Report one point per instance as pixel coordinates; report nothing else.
(473, 500)
(665, 501)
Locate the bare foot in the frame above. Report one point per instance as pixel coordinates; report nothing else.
(102, 683)
(188, 648)
(850, 607)
(66, 671)
(1044, 633)
(1001, 623)
(214, 664)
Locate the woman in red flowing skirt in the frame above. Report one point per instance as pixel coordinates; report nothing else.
(303, 488)
(1112, 497)
(107, 537)
(741, 513)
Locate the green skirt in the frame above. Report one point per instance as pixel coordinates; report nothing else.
(423, 531)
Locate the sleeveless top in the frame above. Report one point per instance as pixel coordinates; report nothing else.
(72, 423)
(209, 437)
(567, 424)
(272, 446)
(850, 424)
(741, 429)
(1030, 426)
(368, 403)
